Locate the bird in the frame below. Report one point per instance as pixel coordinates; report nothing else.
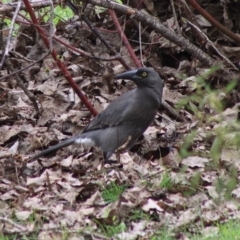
(125, 119)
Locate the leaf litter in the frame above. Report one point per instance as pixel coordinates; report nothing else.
(172, 179)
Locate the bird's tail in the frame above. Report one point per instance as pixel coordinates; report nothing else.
(63, 144)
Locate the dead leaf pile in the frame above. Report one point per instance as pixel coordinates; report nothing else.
(182, 177)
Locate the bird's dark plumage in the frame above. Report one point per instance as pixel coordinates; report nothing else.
(125, 119)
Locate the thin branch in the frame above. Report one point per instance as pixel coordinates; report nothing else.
(140, 41)
(187, 13)
(23, 69)
(124, 39)
(106, 43)
(86, 54)
(23, 87)
(9, 221)
(10, 7)
(175, 16)
(213, 46)
(9, 38)
(172, 111)
(214, 22)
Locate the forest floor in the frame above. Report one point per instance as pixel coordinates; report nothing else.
(179, 181)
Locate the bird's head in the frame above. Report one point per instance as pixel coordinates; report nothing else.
(143, 78)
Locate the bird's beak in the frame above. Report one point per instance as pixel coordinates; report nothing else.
(131, 75)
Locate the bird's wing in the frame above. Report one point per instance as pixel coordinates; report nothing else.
(113, 115)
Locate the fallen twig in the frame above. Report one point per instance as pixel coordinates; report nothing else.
(214, 22)
(24, 88)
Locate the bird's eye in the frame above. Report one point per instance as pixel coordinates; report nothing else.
(144, 74)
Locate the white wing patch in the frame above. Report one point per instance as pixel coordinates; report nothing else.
(88, 142)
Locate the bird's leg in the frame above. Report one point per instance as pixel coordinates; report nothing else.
(118, 156)
(106, 158)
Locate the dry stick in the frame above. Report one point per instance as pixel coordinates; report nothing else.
(144, 33)
(12, 6)
(140, 41)
(51, 26)
(8, 44)
(213, 46)
(106, 43)
(172, 111)
(15, 225)
(86, 54)
(23, 87)
(61, 66)
(23, 69)
(175, 16)
(186, 11)
(124, 38)
(214, 22)
(158, 27)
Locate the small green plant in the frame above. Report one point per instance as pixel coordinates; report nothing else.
(113, 229)
(207, 104)
(60, 13)
(110, 231)
(32, 218)
(166, 181)
(65, 233)
(187, 143)
(2, 237)
(138, 214)
(112, 192)
(227, 231)
(205, 95)
(162, 234)
(195, 182)
(226, 184)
